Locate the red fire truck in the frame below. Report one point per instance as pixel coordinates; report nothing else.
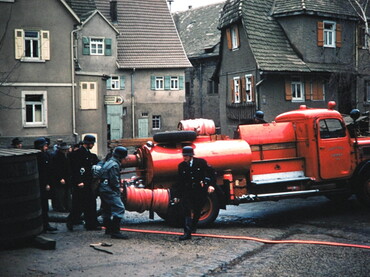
(305, 152)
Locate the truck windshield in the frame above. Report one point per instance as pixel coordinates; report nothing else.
(331, 128)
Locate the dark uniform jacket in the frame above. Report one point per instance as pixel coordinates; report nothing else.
(81, 162)
(61, 168)
(111, 177)
(44, 169)
(193, 181)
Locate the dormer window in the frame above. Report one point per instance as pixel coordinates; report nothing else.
(329, 34)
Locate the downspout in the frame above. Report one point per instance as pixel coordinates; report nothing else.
(73, 85)
(133, 102)
(356, 66)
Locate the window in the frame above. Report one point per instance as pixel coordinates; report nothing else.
(116, 82)
(212, 87)
(329, 34)
(297, 91)
(248, 88)
(167, 82)
(159, 82)
(32, 45)
(331, 128)
(174, 83)
(34, 107)
(89, 97)
(232, 36)
(96, 46)
(236, 90)
(367, 91)
(156, 122)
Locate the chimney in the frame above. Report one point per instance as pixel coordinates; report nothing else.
(113, 10)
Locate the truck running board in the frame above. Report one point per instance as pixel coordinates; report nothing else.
(284, 177)
(255, 197)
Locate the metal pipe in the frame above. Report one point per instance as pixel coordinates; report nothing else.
(133, 103)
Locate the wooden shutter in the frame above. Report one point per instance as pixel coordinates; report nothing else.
(108, 47)
(109, 83)
(85, 46)
(338, 35)
(320, 33)
(307, 89)
(237, 36)
(45, 45)
(317, 90)
(243, 89)
(252, 89)
(181, 82)
(19, 43)
(89, 97)
(122, 82)
(167, 82)
(232, 90)
(228, 38)
(288, 90)
(152, 82)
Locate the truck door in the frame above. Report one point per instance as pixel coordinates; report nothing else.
(334, 149)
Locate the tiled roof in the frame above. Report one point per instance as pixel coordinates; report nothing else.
(82, 7)
(148, 37)
(198, 30)
(268, 42)
(322, 7)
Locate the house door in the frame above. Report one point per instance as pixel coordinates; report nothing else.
(114, 120)
(143, 131)
(333, 149)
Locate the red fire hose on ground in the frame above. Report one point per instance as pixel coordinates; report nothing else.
(266, 241)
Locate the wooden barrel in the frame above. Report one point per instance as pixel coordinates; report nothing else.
(20, 204)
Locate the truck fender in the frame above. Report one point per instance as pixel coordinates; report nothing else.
(361, 170)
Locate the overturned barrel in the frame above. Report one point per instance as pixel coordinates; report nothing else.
(20, 205)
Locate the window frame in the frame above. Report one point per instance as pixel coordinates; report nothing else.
(115, 80)
(328, 132)
(248, 87)
(42, 103)
(96, 42)
(156, 122)
(236, 92)
(30, 40)
(329, 33)
(159, 83)
(234, 32)
(294, 84)
(174, 83)
(92, 102)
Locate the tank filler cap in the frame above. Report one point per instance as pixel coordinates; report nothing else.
(303, 107)
(332, 105)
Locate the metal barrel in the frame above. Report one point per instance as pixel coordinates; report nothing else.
(20, 204)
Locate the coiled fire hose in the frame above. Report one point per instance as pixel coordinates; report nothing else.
(266, 241)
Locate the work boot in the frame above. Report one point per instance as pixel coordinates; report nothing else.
(107, 223)
(187, 229)
(194, 224)
(115, 230)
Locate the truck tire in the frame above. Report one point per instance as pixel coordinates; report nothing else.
(175, 136)
(363, 190)
(175, 216)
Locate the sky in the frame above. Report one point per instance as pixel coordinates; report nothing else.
(182, 5)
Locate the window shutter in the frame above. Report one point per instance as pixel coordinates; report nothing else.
(237, 36)
(338, 36)
(232, 90)
(243, 91)
(19, 43)
(252, 89)
(167, 82)
(45, 45)
(320, 91)
(109, 83)
(108, 47)
(181, 82)
(320, 33)
(228, 38)
(85, 46)
(122, 82)
(288, 90)
(152, 82)
(307, 90)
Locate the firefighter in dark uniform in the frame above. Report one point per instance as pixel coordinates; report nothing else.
(44, 169)
(83, 195)
(195, 182)
(110, 193)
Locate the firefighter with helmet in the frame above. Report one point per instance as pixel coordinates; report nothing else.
(195, 180)
(258, 117)
(110, 193)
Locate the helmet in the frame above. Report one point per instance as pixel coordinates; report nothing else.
(355, 114)
(120, 152)
(40, 142)
(259, 114)
(187, 151)
(89, 139)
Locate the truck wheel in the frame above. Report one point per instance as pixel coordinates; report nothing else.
(210, 210)
(209, 213)
(363, 190)
(175, 136)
